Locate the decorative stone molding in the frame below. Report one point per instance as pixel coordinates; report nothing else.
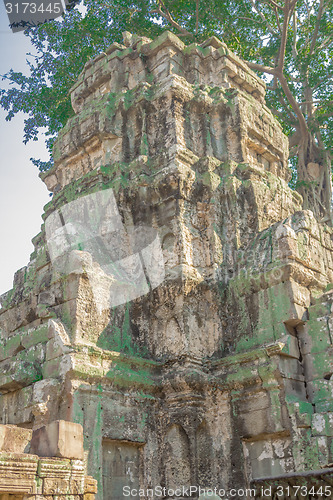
(28, 474)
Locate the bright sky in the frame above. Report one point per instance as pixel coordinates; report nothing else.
(22, 193)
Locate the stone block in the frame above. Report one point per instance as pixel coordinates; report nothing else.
(295, 390)
(322, 424)
(303, 452)
(321, 364)
(258, 401)
(57, 367)
(15, 406)
(291, 347)
(318, 311)
(321, 443)
(2, 346)
(291, 368)
(302, 412)
(23, 369)
(12, 346)
(305, 341)
(43, 389)
(18, 473)
(59, 342)
(35, 336)
(320, 390)
(90, 485)
(76, 486)
(14, 439)
(47, 298)
(318, 424)
(56, 486)
(42, 257)
(319, 334)
(329, 424)
(58, 439)
(325, 405)
(256, 422)
(305, 407)
(266, 467)
(55, 348)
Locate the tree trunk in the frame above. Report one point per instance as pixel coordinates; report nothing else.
(314, 179)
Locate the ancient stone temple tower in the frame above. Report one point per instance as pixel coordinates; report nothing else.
(177, 304)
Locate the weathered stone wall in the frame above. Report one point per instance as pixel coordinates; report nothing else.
(219, 374)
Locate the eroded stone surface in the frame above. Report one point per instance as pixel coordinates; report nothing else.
(58, 439)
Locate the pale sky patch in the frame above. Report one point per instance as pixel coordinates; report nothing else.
(22, 193)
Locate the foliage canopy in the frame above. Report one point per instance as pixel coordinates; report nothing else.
(289, 42)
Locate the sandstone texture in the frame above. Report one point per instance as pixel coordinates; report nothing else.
(27, 474)
(178, 302)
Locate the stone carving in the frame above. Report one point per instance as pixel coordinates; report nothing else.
(226, 363)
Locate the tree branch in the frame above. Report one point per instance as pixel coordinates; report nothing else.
(286, 107)
(316, 30)
(294, 105)
(168, 17)
(294, 47)
(269, 27)
(277, 20)
(261, 67)
(282, 116)
(282, 52)
(293, 139)
(326, 43)
(251, 19)
(323, 80)
(276, 5)
(324, 115)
